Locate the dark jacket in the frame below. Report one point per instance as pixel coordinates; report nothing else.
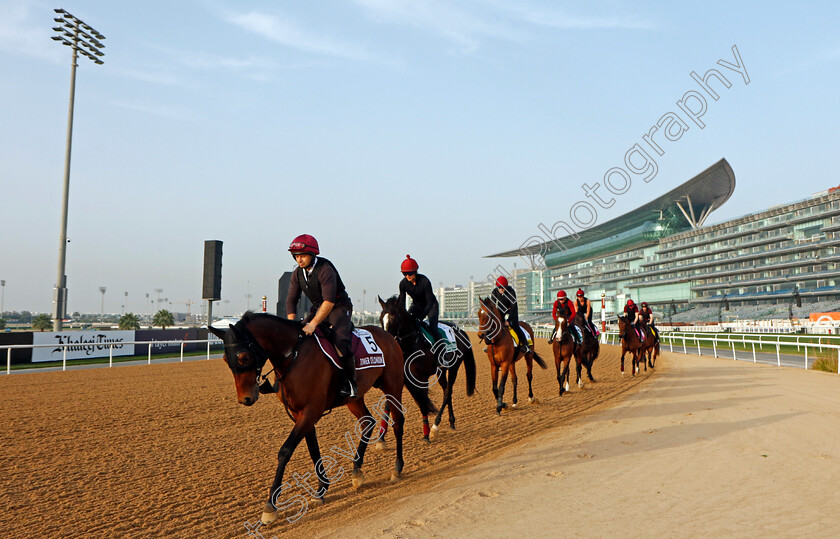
(321, 284)
(506, 302)
(421, 294)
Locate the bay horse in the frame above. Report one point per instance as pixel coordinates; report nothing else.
(563, 346)
(630, 342)
(650, 350)
(424, 360)
(308, 386)
(587, 351)
(503, 352)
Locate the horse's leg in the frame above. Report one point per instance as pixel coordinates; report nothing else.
(558, 362)
(623, 351)
(494, 372)
(315, 455)
(365, 430)
(383, 428)
(578, 365)
(444, 384)
(529, 364)
(303, 424)
(398, 418)
(501, 391)
(515, 383)
(447, 398)
(567, 363)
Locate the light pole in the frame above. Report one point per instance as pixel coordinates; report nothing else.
(2, 297)
(82, 39)
(125, 303)
(102, 308)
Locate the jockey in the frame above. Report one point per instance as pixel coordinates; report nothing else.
(563, 308)
(504, 297)
(646, 315)
(631, 313)
(584, 309)
(319, 280)
(419, 288)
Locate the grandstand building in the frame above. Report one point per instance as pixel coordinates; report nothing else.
(663, 254)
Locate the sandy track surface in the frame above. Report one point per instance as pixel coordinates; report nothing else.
(165, 450)
(706, 448)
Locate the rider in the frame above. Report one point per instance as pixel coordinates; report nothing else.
(646, 315)
(319, 280)
(631, 313)
(504, 297)
(584, 307)
(419, 288)
(563, 308)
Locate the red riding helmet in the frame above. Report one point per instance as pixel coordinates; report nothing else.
(561, 294)
(502, 281)
(304, 244)
(644, 304)
(630, 303)
(580, 293)
(409, 264)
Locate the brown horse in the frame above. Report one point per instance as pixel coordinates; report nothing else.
(503, 353)
(309, 386)
(651, 350)
(630, 342)
(423, 360)
(563, 346)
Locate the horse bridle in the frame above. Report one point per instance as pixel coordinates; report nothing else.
(493, 341)
(258, 353)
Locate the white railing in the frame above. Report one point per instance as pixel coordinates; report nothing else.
(719, 340)
(152, 344)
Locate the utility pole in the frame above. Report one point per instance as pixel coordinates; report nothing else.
(84, 40)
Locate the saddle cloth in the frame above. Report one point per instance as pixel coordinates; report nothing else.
(447, 331)
(368, 354)
(516, 339)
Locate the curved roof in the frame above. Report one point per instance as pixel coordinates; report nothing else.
(707, 191)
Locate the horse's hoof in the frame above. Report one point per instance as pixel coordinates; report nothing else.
(268, 517)
(504, 405)
(566, 387)
(498, 410)
(317, 501)
(379, 446)
(395, 476)
(434, 432)
(452, 426)
(358, 478)
(622, 373)
(426, 439)
(533, 400)
(514, 406)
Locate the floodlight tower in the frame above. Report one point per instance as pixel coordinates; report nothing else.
(84, 40)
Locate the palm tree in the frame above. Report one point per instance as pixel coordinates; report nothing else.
(129, 321)
(42, 322)
(163, 318)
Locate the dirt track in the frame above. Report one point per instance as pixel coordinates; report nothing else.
(165, 450)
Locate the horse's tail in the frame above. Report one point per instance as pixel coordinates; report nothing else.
(539, 360)
(469, 369)
(421, 397)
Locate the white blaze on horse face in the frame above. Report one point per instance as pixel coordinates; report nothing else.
(385, 322)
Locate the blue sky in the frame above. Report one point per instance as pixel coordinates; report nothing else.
(447, 130)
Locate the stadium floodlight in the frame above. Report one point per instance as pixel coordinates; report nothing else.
(70, 32)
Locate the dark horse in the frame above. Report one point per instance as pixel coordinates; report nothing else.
(586, 352)
(424, 360)
(309, 386)
(651, 350)
(564, 347)
(630, 342)
(502, 351)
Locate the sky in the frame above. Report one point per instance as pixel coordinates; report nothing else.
(447, 130)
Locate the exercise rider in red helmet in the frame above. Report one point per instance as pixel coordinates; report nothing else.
(504, 297)
(419, 288)
(319, 280)
(563, 308)
(631, 313)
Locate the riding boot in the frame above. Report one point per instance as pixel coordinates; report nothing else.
(349, 363)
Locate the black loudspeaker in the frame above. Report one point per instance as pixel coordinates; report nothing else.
(211, 287)
(303, 305)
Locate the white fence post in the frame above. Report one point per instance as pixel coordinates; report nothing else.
(714, 346)
(150, 353)
(684, 352)
(64, 358)
(9, 360)
(111, 355)
(698, 346)
(806, 357)
(182, 351)
(733, 349)
(778, 356)
(754, 360)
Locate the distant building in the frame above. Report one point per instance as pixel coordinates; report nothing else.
(661, 253)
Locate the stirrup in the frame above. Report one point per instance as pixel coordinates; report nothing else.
(349, 389)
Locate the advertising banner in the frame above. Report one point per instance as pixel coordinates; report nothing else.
(83, 344)
(190, 334)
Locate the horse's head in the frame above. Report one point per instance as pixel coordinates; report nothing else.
(489, 320)
(245, 357)
(622, 323)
